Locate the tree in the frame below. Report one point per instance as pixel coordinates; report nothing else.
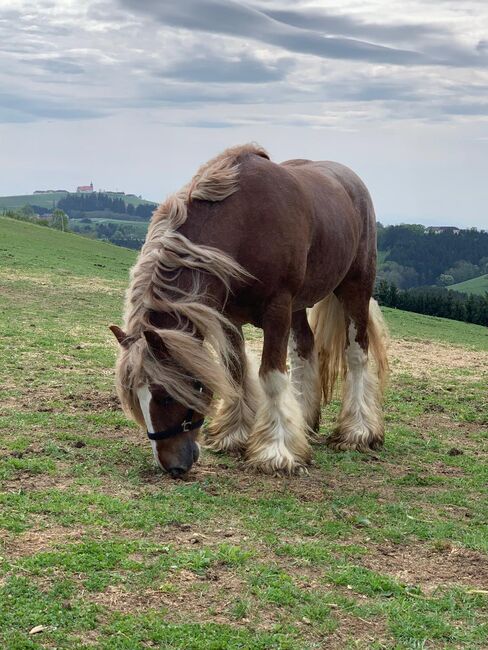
(59, 220)
(445, 280)
(27, 211)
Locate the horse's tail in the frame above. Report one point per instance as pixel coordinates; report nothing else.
(328, 323)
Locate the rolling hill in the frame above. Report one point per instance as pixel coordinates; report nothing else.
(101, 551)
(48, 199)
(477, 285)
(45, 200)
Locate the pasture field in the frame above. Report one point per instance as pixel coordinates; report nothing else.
(43, 200)
(478, 286)
(47, 199)
(99, 550)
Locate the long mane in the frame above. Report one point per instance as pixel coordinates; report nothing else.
(152, 288)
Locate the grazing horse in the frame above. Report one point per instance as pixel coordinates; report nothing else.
(252, 241)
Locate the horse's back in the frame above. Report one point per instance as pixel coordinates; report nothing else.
(295, 224)
(331, 174)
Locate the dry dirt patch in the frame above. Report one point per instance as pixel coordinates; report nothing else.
(419, 565)
(38, 541)
(422, 358)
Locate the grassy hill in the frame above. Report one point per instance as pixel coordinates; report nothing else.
(477, 285)
(105, 552)
(46, 200)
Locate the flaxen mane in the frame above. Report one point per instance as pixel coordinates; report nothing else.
(152, 289)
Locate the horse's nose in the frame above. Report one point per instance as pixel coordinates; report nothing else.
(177, 472)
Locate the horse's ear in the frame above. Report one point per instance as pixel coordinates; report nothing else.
(155, 343)
(120, 335)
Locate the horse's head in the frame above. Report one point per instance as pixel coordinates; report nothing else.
(172, 425)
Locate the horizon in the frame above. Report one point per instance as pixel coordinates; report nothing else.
(138, 94)
(383, 221)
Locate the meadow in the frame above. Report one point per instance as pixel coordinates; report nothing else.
(50, 200)
(100, 550)
(478, 286)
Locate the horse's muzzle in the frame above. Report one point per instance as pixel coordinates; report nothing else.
(185, 462)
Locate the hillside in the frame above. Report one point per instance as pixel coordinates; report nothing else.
(478, 286)
(106, 553)
(46, 200)
(411, 255)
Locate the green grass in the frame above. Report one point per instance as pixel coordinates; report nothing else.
(47, 199)
(417, 327)
(106, 553)
(42, 200)
(478, 286)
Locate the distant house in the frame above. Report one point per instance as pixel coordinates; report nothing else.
(85, 188)
(437, 230)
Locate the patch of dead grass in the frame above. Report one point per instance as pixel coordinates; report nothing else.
(428, 568)
(425, 358)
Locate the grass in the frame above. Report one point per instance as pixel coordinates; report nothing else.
(42, 200)
(46, 200)
(417, 327)
(104, 552)
(478, 286)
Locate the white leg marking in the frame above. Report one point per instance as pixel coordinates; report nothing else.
(305, 380)
(360, 421)
(233, 422)
(144, 396)
(278, 442)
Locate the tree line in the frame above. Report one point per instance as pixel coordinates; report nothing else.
(435, 301)
(56, 219)
(77, 204)
(121, 234)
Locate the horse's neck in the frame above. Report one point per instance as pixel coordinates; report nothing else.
(211, 293)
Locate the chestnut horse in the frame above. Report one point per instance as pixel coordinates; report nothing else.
(252, 241)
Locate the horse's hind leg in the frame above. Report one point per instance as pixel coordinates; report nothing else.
(360, 424)
(230, 428)
(278, 442)
(304, 367)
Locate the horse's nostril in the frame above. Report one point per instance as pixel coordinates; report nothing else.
(177, 472)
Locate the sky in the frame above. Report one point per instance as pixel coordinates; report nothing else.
(135, 94)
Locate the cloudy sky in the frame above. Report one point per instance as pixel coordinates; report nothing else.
(134, 94)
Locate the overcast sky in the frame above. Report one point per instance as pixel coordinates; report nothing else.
(134, 94)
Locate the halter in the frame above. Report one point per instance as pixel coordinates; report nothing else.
(186, 425)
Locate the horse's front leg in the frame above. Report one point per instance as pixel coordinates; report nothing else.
(233, 421)
(278, 441)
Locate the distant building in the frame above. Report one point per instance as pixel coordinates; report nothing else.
(85, 188)
(437, 230)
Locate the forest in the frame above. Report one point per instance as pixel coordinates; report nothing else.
(435, 301)
(76, 205)
(414, 256)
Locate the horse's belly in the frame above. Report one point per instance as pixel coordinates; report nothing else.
(327, 265)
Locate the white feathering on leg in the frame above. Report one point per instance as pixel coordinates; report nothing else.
(233, 421)
(360, 423)
(305, 379)
(278, 442)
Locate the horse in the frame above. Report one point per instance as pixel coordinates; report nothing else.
(289, 248)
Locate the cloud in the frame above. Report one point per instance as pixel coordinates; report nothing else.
(56, 65)
(327, 22)
(234, 19)
(22, 108)
(211, 68)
